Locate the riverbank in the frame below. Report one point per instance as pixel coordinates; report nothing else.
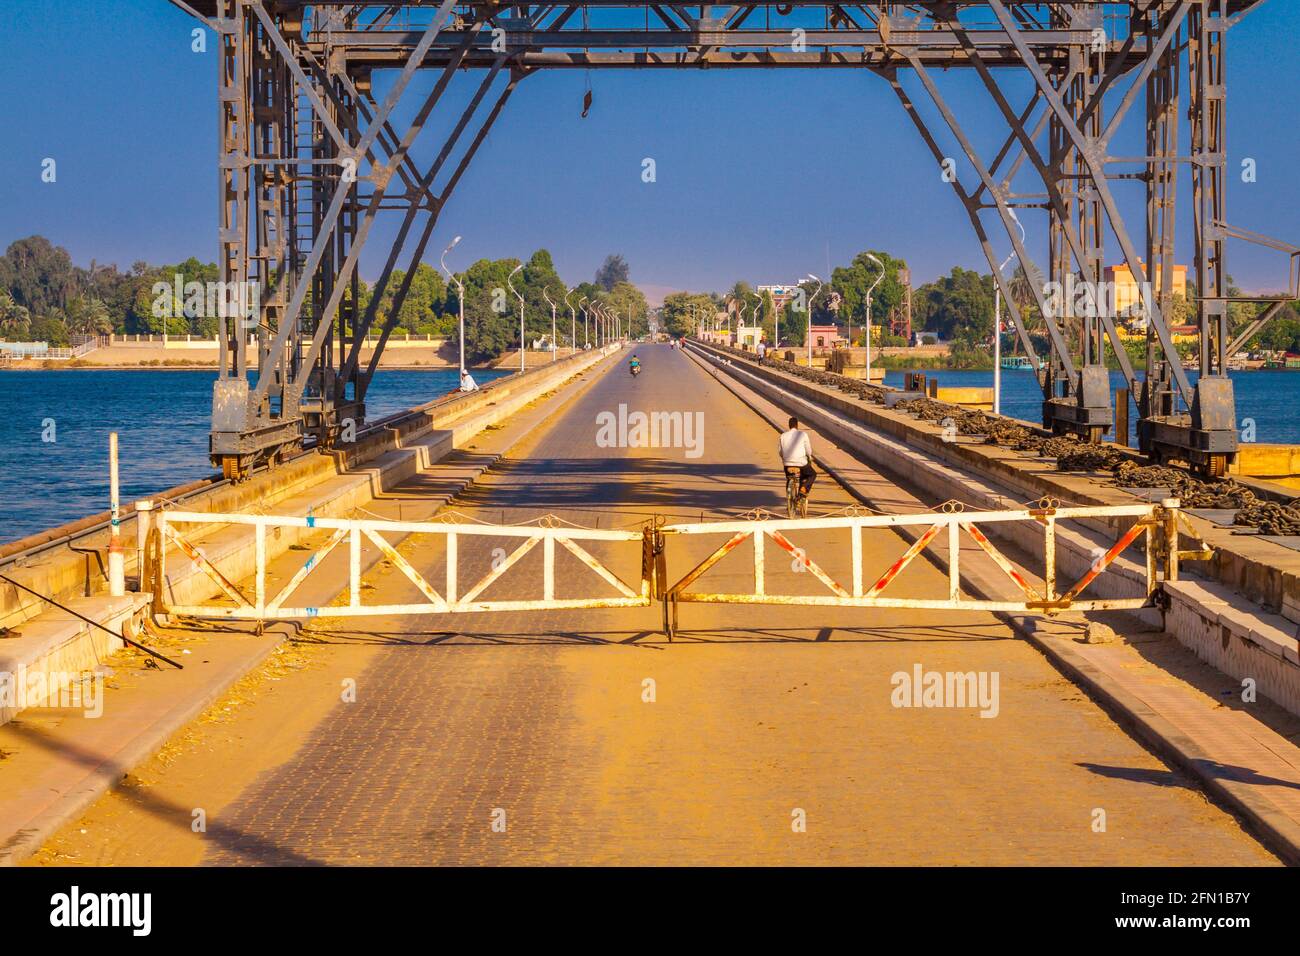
(136, 355)
(184, 365)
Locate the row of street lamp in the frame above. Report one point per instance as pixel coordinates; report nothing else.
(997, 319)
(808, 308)
(608, 321)
(609, 325)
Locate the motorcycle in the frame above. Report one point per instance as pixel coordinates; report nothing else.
(636, 370)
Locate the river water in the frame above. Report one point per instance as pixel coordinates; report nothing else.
(162, 420)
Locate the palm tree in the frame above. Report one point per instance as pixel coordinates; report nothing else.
(15, 320)
(1022, 285)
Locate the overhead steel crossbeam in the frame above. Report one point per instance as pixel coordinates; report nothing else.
(309, 159)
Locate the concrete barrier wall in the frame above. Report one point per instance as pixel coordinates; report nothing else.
(56, 647)
(1225, 630)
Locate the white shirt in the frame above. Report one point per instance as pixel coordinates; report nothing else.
(795, 448)
(467, 383)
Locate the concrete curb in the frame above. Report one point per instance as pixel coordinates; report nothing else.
(1275, 830)
(27, 841)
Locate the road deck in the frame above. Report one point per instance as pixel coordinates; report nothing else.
(762, 717)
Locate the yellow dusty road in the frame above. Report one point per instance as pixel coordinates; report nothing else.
(762, 735)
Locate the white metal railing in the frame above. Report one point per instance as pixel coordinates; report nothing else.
(943, 528)
(453, 599)
(946, 527)
(33, 351)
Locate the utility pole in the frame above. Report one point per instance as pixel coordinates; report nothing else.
(460, 298)
(521, 312)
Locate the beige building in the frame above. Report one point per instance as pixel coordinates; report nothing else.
(748, 336)
(1127, 294)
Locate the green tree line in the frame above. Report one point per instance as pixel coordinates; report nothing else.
(44, 296)
(957, 307)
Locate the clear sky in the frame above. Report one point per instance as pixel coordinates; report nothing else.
(761, 175)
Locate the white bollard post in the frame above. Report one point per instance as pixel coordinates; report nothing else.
(116, 559)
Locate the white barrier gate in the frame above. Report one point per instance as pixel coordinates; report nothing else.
(452, 600)
(1158, 522)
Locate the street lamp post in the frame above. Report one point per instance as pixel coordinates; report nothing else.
(867, 343)
(808, 306)
(585, 339)
(997, 338)
(997, 323)
(513, 272)
(460, 297)
(547, 296)
(573, 323)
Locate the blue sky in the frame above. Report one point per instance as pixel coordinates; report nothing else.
(761, 175)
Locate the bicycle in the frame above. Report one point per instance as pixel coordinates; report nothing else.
(795, 499)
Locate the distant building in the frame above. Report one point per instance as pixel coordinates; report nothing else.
(748, 336)
(781, 294)
(826, 337)
(1128, 298)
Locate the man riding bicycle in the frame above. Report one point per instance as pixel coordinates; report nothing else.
(796, 458)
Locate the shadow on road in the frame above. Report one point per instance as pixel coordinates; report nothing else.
(180, 817)
(1169, 778)
(992, 631)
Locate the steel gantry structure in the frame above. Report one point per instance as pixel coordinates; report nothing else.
(311, 153)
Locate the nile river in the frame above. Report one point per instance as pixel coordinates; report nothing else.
(162, 420)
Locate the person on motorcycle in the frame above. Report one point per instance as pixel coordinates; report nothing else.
(634, 365)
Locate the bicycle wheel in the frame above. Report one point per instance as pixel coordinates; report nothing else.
(803, 506)
(791, 496)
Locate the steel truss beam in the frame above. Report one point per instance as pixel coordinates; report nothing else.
(309, 159)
